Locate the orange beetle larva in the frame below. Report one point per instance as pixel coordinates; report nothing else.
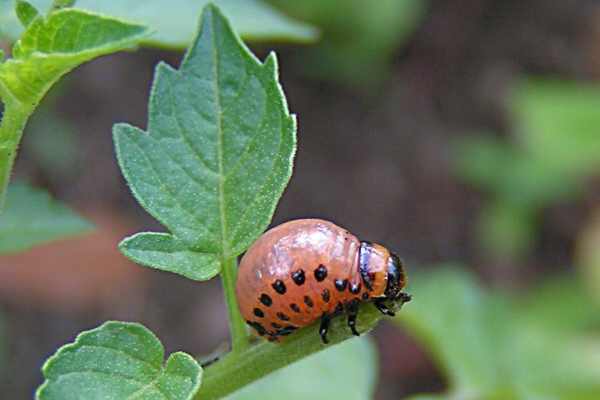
(308, 269)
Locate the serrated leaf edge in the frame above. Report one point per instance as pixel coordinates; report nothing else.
(160, 370)
(270, 63)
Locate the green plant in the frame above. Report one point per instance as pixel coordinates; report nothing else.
(551, 154)
(211, 167)
(50, 47)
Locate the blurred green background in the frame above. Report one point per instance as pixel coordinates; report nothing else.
(464, 135)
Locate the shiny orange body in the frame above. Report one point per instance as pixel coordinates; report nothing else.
(299, 271)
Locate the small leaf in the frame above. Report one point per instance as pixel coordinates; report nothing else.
(25, 12)
(219, 147)
(163, 251)
(118, 361)
(31, 217)
(49, 48)
(347, 371)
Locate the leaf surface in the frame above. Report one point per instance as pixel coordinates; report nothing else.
(49, 48)
(218, 151)
(118, 361)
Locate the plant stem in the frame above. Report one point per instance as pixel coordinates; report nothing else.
(13, 122)
(239, 368)
(237, 326)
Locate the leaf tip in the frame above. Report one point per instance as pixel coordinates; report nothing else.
(26, 13)
(271, 63)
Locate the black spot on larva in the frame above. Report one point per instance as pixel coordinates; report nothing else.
(365, 296)
(341, 284)
(339, 308)
(298, 277)
(279, 286)
(258, 327)
(320, 273)
(325, 295)
(275, 325)
(308, 301)
(355, 288)
(282, 316)
(258, 312)
(295, 307)
(266, 300)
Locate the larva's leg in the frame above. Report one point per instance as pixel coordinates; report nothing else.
(405, 297)
(383, 308)
(325, 319)
(352, 313)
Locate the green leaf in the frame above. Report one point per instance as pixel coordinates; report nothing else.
(219, 148)
(25, 12)
(48, 49)
(118, 361)
(31, 217)
(163, 251)
(174, 23)
(347, 371)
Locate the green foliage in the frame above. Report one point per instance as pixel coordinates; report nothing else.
(173, 23)
(216, 158)
(359, 37)
(25, 12)
(49, 48)
(118, 361)
(491, 347)
(31, 217)
(219, 147)
(550, 156)
(166, 252)
(348, 371)
(211, 168)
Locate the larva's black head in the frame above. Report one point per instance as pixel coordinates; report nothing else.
(396, 279)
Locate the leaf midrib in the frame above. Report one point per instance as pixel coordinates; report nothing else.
(224, 247)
